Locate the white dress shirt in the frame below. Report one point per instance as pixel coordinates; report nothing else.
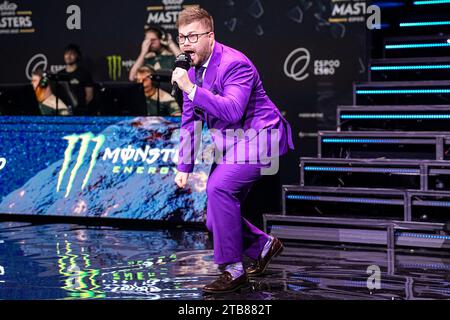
(191, 94)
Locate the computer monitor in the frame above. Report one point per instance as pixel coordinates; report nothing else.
(162, 79)
(122, 99)
(18, 99)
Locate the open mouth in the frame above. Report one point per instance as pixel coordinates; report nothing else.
(190, 53)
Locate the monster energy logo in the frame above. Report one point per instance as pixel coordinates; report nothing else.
(114, 67)
(72, 140)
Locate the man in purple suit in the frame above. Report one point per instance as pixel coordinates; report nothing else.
(223, 89)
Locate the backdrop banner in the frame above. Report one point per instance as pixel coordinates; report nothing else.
(307, 52)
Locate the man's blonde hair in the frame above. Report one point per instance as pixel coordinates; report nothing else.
(193, 14)
(146, 69)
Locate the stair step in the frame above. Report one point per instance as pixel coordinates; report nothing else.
(384, 144)
(393, 118)
(402, 93)
(358, 173)
(390, 233)
(425, 175)
(409, 69)
(357, 202)
(418, 46)
(398, 18)
(429, 206)
(414, 21)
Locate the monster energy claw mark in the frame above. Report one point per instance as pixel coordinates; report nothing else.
(72, 140)
(114, 67)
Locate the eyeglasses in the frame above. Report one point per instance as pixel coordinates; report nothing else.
(193, 37)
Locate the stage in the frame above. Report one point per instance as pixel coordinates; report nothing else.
(71, 261)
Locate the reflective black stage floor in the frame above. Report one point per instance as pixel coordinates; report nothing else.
(66, 261)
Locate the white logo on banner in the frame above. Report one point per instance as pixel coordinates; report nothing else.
(14, 21)
(8, 6)
(74, 20)
(40, 61)
(172, 2)
(165, 15)
(296, 64)
(326, 67)
(298, 61)
(37, 61)
(2, 163)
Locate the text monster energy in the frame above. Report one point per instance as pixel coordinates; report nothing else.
(114, 67)
(72, 140)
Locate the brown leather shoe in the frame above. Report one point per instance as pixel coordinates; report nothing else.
(225, 283)
(221, 267)
(260, 265)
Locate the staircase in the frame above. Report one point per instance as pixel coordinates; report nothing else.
(383, 177)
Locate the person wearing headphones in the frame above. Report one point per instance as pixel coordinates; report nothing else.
(80, 80)
(158, 50)
(159, 102)
(48, 103)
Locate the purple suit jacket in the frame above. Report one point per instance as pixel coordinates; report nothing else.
(232, 97)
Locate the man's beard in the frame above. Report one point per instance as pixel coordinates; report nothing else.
(201, 58)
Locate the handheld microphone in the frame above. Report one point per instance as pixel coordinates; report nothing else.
(183, 61)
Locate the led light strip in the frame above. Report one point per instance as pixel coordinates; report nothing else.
(358, 169)
(358, 284)
(424, 265)
(431, 203)
(424, 24)
(295, 287)
(338, 140)
(300, 197)
(416, 45)
(395, 116)
(293, 276)
(352, 200)
(430, 2)
(418, 235)
(412, 67)
(388, 4)
(398, 234)
(403, 91)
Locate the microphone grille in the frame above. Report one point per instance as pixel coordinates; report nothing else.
(183, 61)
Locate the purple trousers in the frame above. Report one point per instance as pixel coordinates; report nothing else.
(234, 236)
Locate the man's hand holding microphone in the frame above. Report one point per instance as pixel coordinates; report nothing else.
(180, 78)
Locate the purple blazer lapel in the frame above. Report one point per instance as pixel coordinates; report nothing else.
(211, 71)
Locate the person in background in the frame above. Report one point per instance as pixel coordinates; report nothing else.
(167, 104)
(158, 50)
(80, 80)
(48, 103)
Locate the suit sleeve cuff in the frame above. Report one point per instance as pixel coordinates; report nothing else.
(187, 168)
(191, 94)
